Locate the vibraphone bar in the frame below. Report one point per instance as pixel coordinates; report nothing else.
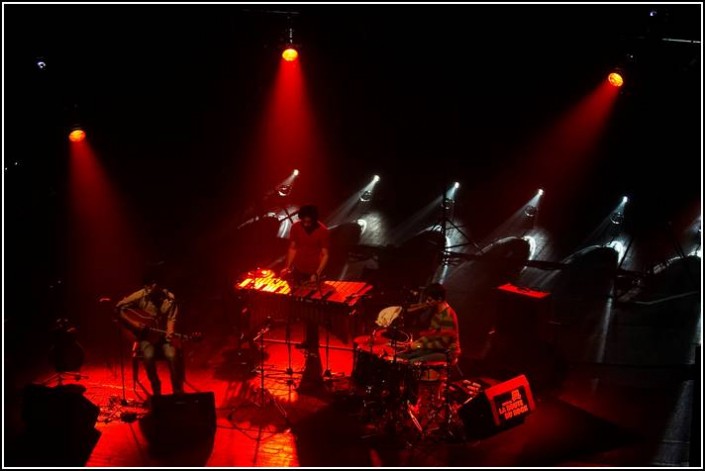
(332, 304)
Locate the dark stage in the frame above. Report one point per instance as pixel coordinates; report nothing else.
(481, 147)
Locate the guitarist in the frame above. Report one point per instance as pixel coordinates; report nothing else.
(146, 312)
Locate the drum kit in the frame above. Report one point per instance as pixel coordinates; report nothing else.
(395, 391)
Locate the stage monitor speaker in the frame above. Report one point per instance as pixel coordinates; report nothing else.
(60, 426)
(181, 418)
(497, 407)
(60, 409)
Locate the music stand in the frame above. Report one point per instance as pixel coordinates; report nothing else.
(66, 354)
(263, 397)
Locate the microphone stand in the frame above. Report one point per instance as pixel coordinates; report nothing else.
(265, 396)
(327, 373)
(287, 330)
(116, 320)
(122, 364)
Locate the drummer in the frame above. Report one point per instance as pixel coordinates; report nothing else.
(440, 338)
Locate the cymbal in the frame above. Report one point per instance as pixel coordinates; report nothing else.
(370, 340)
(383, 337)
(385, 352)
(395, 334)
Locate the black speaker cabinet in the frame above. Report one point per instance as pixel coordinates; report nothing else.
(60, 426)
(60, 409)
(181, 418)
(498, 407)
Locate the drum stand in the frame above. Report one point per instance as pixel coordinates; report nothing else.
(445, 410)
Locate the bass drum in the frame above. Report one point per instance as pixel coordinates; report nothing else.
(378, 371)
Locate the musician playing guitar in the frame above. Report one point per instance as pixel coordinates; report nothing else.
(151, 313)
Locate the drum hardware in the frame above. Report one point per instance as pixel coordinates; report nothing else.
(442, 414)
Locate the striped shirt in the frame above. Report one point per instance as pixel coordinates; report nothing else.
(443, 331)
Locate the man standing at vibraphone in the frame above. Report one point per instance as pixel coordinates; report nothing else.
(306, 259)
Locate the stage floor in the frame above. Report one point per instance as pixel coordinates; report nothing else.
(343, 423)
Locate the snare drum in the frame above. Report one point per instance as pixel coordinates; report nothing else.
(396, 338)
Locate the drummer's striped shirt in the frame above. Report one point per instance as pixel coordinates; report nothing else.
(444, 331)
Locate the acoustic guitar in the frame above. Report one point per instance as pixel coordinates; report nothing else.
(144, 326)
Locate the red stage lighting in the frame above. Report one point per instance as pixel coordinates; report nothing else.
(616, 79)
(290, 54)
(77, 135)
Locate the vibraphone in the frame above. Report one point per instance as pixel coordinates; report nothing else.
(332, 304)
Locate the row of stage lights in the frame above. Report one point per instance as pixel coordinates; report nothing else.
(290, 53)
(77, 134)
(365, 195)
(615, 78)
(284, 188)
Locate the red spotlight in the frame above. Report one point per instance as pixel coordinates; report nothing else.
(615, 79)
(77, 135)
(290, 54)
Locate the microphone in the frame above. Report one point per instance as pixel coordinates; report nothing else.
(261, 332)
(265, 328)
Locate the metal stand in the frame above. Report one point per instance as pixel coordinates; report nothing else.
(445, 410)
(312, 381)
(122, 362)
(327, 373)
(289, 369)
(446, 220)
(263, 396)
(59, 377)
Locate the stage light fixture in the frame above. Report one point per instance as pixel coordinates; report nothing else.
(290, 54)
(366, 196)
(615, 79)
(284, 190)
(617, 218)
(447, 203)
(77, 135)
